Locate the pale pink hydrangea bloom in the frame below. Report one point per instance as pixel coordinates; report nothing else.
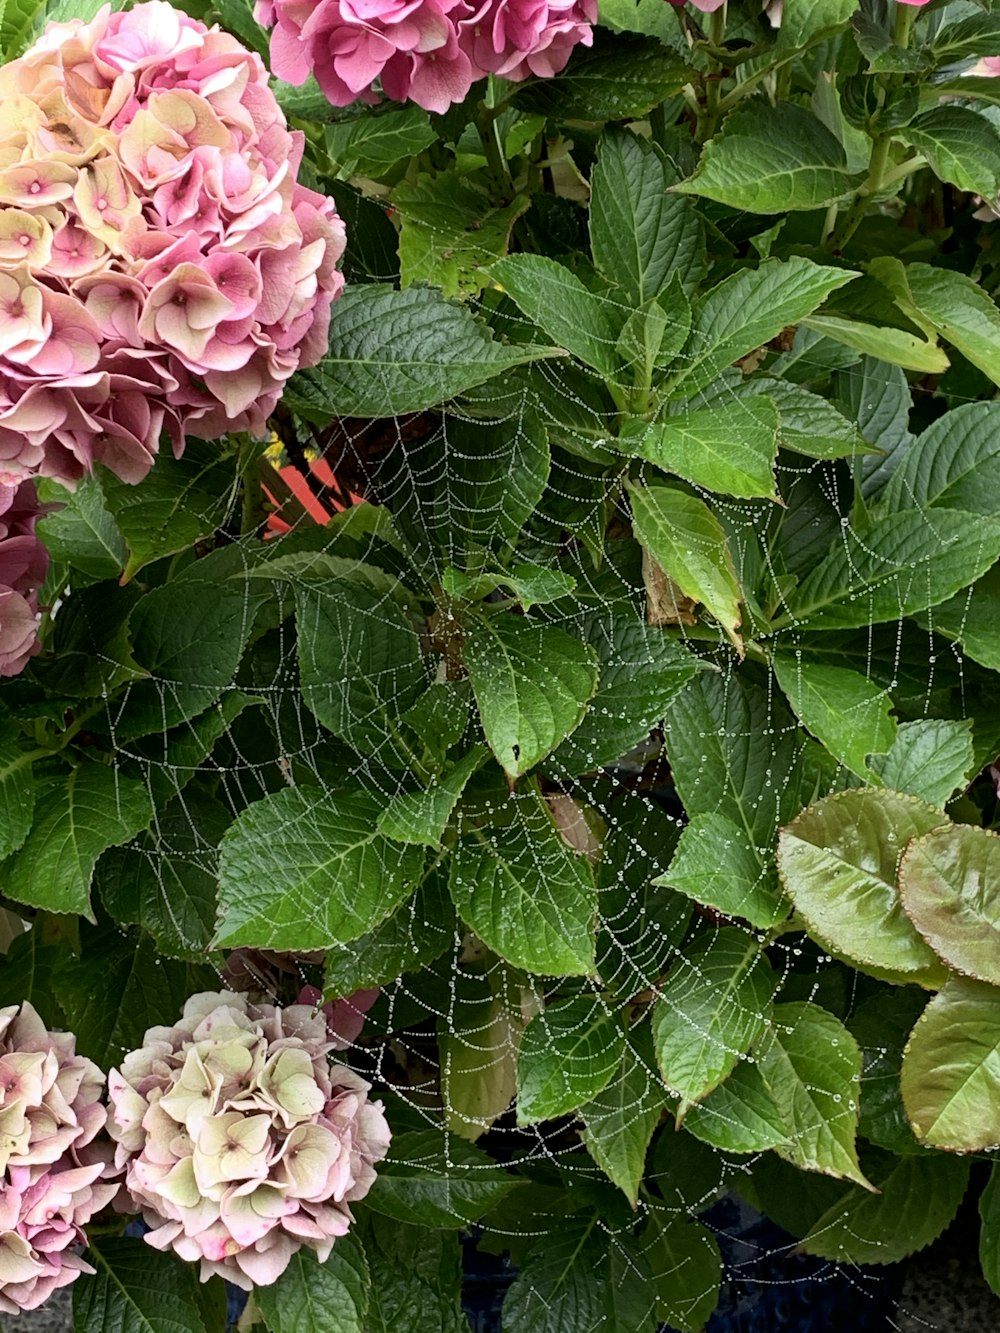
(241, 1142)
(160, 268)
(54, 1176)
(427, 51)
(24, 563)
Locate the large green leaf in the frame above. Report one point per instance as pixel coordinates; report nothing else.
(842, 708)
(930, 759)
(769, 159)
(811, 1066)
(641, 670)
(972, 619)
(951, 1069)
(619, 1121)
(903, 563)
(360, 661)
(395, 352)
(77, 817)
(881, 1026)
(687, 1269)
(807, 423)
(555, 299)
(954, 464)
(478, 1041)
(877, 396)
(28, 969)
(306, 869)
(569, 1054)
(711, 1009)
(730, 447)
(17, 795)
(532, 684)
(618, 78)
(416, 1279)
(181, 502)
(371, 145)
(421, 816)
(91, 648)
(962, 147)
(747, 310)
(950, 885)
(838, 862)
(689, 544)
(718, 865)
(82, 532)
(525, 893)
(740, 1116)
(451, 231)
(989, 1239)
(432, 1181)
(804, 22)
(640, 234)
(310, 1297)
(135, 1289)
(897, 346)
(166, 761)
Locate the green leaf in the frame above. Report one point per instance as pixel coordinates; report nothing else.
(972, 619)
(949, 1079)
(433, 1180)
(949, 881)
(166, 880)
(807, 423)
(395, 352)
(882, 342)
(569, 1053)
(167, 761)
(530, 585)
(811, 1066)
(416, 1279)
(77, 817)
(741, 1116)
(619, 1121)
(416, 934)
(804, 22)
(687, 1270)
(310, 1297)
(917, 1199)
(953, 464)
(881, 1026)
(711, 1009)
(641, 671)
(838, 862)
(360, 661)
(772, 159)
(902, 563)
(930, 759)
(730, 447)
(989, 1239)
(618, 78)
(82, 532)
(421, 817)
(17, 796)
(961, 146)
(92, 650)
(371, 145)
(689, 544)
(135, 1288)
(876, 396)
(182, 501)
(478, 1041)
(842, 708)
(450, 232)
(525, 893)
(119, 987)
(717, 865)
(555, 299)
(27, 972)
(639, 234)
(532, 683)
(747, 310)
(440, 717)
(304, 869)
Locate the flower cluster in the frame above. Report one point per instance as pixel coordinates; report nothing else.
(241, 1142)
(427, 51)
(54, 1180)
(160, 268)
(23, 565)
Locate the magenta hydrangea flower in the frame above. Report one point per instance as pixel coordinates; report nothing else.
(54, 1175)
(24, 563)
(240, 1140)
(427, 51)
(160, 267)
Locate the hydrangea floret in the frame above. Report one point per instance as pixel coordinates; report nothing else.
(55, 1177)
(24, 563)
(161, 270)
(427, 51)
(240, 1140)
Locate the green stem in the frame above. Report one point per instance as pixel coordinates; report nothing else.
(906, 17)
(713, 90)
(501, 185)
(252, 517)
(863, 196)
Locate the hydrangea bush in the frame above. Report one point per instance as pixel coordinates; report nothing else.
(499, 533)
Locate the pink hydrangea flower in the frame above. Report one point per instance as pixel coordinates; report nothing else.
(160, 268)
(240, 1140)
(427, 51)
(54, 1175)
(708, 6)
(24, 563)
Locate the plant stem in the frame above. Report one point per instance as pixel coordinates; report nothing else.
(501, 185)
(871, 185)
(906, 17)
(252, 516)
(713, 92)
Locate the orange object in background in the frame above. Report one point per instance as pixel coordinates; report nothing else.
(295, 501)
